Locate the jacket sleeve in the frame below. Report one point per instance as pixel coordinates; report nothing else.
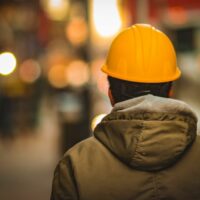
(64, 185)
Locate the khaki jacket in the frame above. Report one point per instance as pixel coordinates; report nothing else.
(146, 148)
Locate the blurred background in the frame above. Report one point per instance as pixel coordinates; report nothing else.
(52, 92)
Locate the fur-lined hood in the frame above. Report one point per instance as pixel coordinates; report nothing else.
(148, 133)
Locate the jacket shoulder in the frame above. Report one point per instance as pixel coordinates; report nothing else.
(90, 144)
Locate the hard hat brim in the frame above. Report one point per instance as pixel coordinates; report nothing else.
(141, 80)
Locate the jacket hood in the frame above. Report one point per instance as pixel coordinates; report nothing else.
(148, 132)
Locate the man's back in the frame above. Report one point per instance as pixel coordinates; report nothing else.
(146, 148)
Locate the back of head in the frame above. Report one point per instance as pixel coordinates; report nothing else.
(123, 90)
(141, 58)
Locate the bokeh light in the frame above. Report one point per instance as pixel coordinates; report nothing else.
(99, 78)
(7, 63)
(56, 76)
(178, 15)
(96, 120)
(106, 16)
(77, 73)
(77, 31)
(29, 71)
(56, 9)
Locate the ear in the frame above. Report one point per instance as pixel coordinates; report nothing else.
(111, 97)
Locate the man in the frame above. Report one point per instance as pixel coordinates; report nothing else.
(147, 147)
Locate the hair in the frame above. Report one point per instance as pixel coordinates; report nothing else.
(123, 90)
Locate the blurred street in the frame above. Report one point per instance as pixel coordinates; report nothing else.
(28, 161)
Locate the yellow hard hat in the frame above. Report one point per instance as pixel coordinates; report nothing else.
(141, 53)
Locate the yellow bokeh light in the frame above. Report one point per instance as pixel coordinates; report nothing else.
(106, 17)
(77, 31)
(96, 120)
(7, 63)
(56, 76)
(55, 3)
(77, 73)
(56, 9)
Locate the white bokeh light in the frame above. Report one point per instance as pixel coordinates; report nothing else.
(96, 120)
(7, 63)
(106, 17)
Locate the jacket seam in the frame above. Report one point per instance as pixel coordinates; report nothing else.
(132, 116)
(156, 195)
(137, 144)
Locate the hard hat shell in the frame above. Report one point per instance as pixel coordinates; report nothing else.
(142, 53)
